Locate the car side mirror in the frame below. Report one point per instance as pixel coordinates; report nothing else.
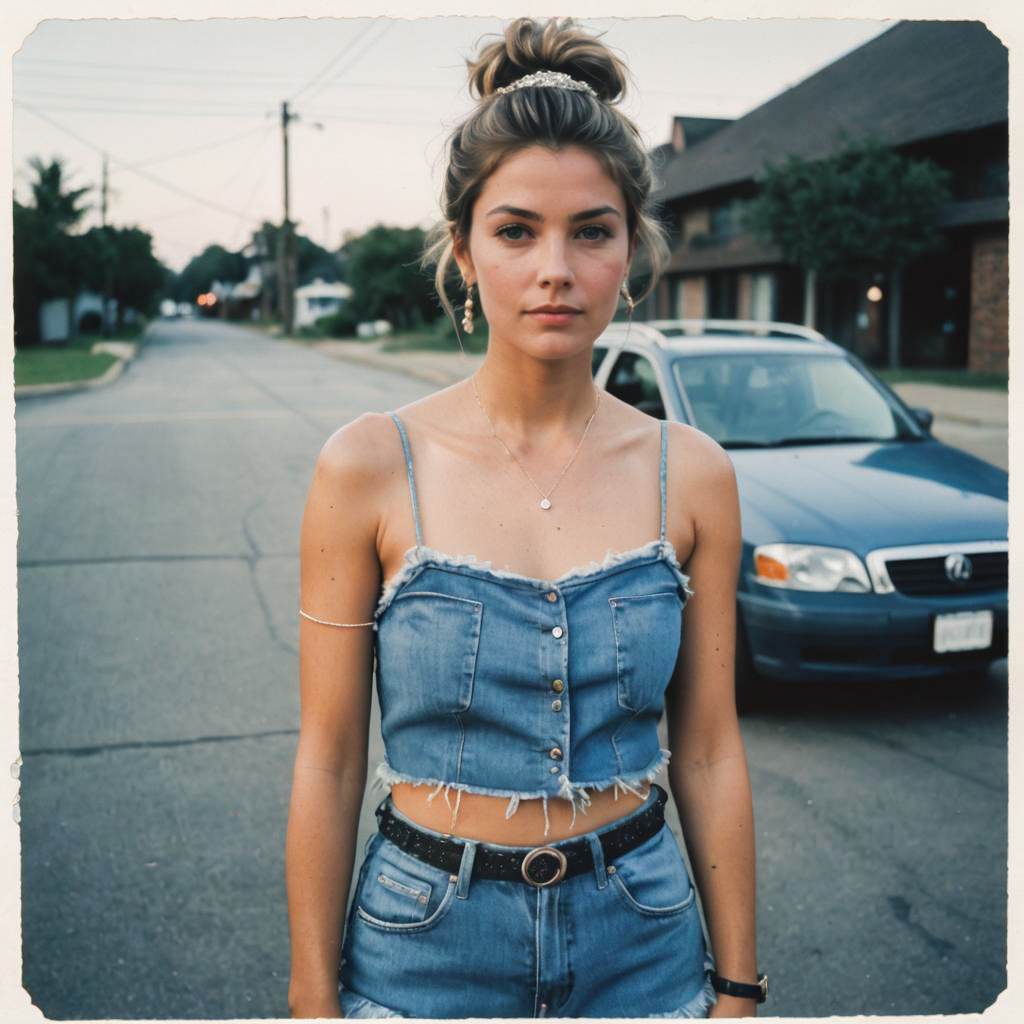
(923, 416)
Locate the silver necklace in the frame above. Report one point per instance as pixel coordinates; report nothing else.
(545, 496)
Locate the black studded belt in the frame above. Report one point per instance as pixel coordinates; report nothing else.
(539, 866)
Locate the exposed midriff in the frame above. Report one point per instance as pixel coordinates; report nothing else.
(482, 817)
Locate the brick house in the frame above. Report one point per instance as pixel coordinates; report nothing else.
(927, 88)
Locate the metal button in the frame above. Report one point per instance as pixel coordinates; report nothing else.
(557, 685)
(552, 596)
(557, 632)
(556, 753)
(556, 705)
(611, 869)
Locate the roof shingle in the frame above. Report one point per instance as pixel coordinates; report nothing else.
(918, 80)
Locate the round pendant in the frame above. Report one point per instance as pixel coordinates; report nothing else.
(544, 503)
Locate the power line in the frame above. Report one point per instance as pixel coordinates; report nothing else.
(211, 204)
(265, 128)
(143, 67)
(334, 60)
(231, 79)
(357, 57)
(247, 114)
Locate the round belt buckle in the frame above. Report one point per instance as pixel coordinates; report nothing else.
(544, 851)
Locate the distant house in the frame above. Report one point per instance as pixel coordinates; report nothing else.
(63, 319)
(321, 298)
(929, 89)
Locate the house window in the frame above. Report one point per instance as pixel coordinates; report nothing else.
(722, 294)
(725, 221)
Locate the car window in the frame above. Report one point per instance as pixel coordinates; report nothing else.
(634, 381)
(597, 357)
(775, 398)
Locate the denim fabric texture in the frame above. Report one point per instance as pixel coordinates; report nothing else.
(623, 940)
(497, 683)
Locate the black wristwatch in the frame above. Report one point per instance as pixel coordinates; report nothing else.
(739, 989)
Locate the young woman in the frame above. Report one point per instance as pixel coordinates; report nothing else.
(522, 867)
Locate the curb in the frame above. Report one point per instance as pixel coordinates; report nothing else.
(65, 386)
(397, 362)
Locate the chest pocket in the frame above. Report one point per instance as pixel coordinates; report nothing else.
(426, 648)
(646, 630)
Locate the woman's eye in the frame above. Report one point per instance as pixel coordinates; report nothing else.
(595, 232)
(513, 232)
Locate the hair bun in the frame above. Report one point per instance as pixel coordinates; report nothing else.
(554, 45)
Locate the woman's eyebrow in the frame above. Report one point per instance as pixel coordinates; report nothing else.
(598, 211)
(516, 211)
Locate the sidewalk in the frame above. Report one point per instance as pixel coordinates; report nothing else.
(978, 407)
(441, 368)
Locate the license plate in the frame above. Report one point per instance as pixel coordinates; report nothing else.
(962, 631)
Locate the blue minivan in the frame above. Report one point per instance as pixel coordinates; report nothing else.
(870, 549)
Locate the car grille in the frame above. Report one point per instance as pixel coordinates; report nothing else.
(921, 576)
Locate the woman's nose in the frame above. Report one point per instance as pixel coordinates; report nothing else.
(555, 269)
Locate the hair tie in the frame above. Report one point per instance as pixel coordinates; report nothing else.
(548, 80)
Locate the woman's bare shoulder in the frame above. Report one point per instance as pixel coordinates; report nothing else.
(697, 458)
(364, 451)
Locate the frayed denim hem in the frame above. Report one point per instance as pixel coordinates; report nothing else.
(357, 1006)
(573, 792)
(419, 556)
(698, 1006)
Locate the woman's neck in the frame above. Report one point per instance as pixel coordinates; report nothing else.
(533, 401)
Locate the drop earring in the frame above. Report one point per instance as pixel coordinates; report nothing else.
(624, 291)
(467, 313)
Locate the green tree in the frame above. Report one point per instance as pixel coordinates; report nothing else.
(47, 257)
(122, 266)
(863, 208)
(214, 263)
(383, 268)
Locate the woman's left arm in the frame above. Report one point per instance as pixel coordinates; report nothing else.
(708, 767)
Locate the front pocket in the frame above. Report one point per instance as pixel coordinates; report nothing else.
(432, 914)
(646, 629)
(426, 650)
(653, 879)
(399, 892)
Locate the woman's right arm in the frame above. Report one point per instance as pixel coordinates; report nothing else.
(339, 582)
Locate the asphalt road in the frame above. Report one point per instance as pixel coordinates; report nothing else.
(158, 578)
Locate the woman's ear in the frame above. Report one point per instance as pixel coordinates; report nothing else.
(460, 252)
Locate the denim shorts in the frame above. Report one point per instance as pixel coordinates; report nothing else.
(621, 940)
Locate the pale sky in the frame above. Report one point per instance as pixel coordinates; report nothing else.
(188, 112)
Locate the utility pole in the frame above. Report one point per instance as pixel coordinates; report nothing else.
(108, 270)
(103, 194)
(286, 241)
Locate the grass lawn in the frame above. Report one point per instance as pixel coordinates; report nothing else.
(951, 378)
(54, 364)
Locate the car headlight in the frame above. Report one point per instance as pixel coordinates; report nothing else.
(809, 567)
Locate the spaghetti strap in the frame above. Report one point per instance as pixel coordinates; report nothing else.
(412, 479)
(661, 475)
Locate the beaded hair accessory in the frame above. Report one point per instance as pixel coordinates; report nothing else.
(548, 80)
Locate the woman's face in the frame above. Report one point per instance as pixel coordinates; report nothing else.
(548, 249)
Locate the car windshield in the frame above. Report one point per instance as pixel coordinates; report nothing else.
(771, 399)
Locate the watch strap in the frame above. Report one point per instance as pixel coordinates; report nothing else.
(739, 989)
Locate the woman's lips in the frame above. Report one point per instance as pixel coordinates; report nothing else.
(554, 317)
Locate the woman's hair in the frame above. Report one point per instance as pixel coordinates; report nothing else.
(504, 123)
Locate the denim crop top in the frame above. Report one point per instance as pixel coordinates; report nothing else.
(496, 683)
